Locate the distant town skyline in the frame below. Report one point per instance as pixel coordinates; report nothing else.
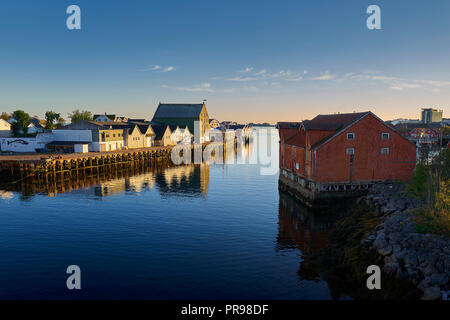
(253, 61)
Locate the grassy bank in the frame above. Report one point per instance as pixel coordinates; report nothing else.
(431, 183)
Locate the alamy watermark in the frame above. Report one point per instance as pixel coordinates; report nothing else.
(74, 280)
(264, 141)
(374, 280)
(373, 22)
(73, 22)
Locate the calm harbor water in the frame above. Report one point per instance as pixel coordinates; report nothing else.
(186, 232)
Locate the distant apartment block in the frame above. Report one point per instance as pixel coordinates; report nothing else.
(431, 115)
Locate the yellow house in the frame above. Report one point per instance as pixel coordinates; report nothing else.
(163, 134)
(134, 139)
(148, 133)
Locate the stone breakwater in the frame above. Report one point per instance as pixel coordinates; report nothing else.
(423, 259)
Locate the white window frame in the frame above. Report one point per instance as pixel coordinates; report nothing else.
(353, 136)
(388, 136)
(350, 151)
(384, 149)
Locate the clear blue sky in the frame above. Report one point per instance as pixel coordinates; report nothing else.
(252, 60)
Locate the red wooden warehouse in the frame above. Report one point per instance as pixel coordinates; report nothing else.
(332, 155)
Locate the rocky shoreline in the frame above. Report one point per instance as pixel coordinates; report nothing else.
(422, 259)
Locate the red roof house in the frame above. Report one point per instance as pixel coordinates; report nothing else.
(351, 148)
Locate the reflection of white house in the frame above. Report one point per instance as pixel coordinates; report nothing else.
(5, 128)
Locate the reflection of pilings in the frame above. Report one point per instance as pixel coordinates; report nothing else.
(11, 170)
(299, 227)
(63, 181)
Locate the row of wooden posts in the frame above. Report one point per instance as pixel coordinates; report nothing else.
(41, 169)
(45, 168)
(61, 182)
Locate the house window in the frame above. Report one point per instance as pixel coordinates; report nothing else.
(350, 151)
(384, 150)
(385, 136)
(350, 136)
(296, 166)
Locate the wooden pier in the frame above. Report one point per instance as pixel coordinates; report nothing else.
(40, 166)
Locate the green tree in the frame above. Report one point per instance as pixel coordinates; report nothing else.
(50, 118)
(78, 115)
(5, 116)
(20, 126)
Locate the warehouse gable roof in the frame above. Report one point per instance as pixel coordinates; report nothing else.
(178, 110)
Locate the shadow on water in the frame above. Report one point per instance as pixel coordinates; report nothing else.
(299, 228)
(330, 242)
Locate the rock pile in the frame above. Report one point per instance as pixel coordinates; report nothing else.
(423, 259)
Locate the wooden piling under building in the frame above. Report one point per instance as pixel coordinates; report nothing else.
(40, 166)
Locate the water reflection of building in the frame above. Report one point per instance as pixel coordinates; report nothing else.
(299, 228)
(6, 194)
(138, 183)
(184, 181)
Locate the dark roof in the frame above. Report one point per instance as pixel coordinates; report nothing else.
(181, 110)
(141, 123)
(159, 129)
(104, 125)
(288, 125)
(432, 125)
(333, 122)
(236, 126)
(143, 127)
(136, 120)
(38, 123)
(124, 125)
